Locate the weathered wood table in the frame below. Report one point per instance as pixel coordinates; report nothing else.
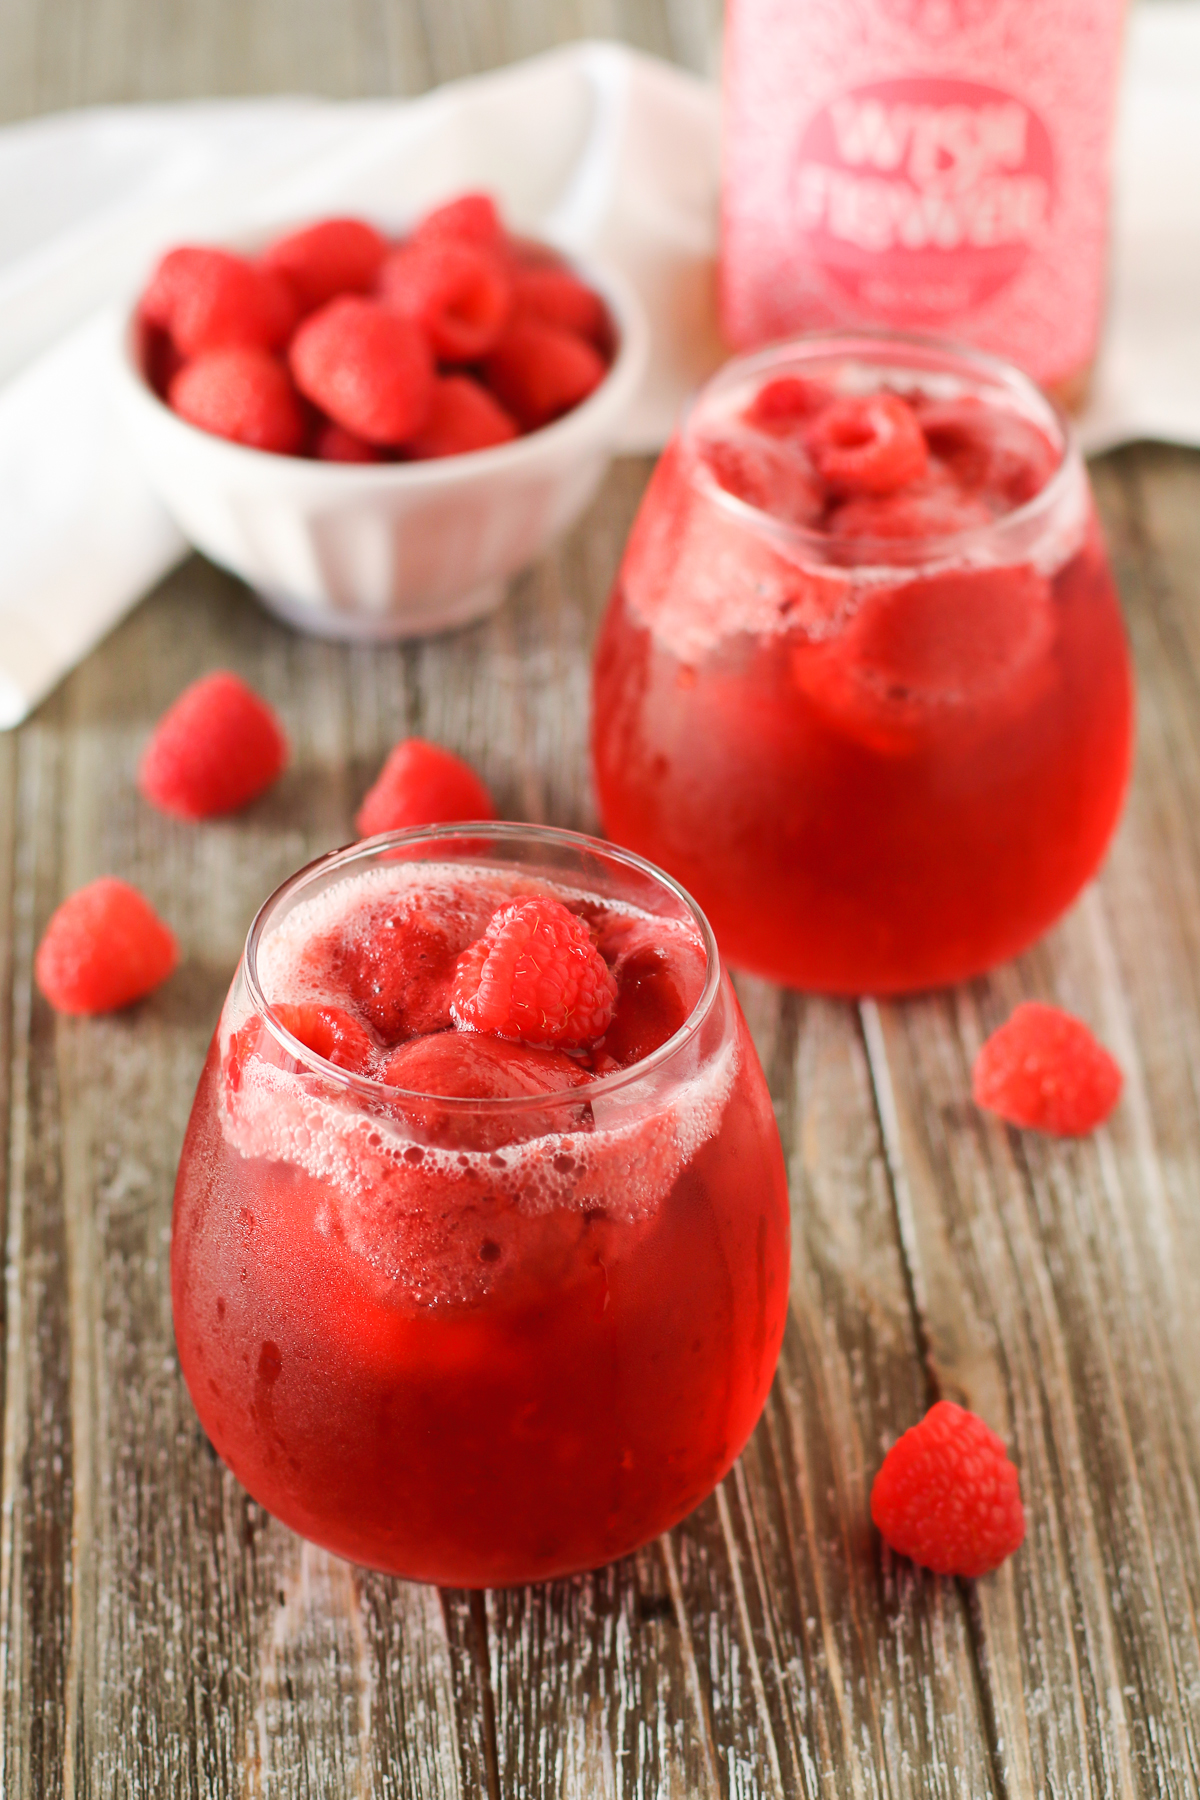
(161, 1636)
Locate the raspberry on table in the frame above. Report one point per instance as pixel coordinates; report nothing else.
(104, 947)
(468, 219)
(556, 297)
(1044, 1070)
(333, 443)
(868, 444)
(947, 1495)
(457, 294)
(369, 369)
(334, 256)
(214, 749)
(538, 372)
(464, 417)
(243, 395)
(535, 976)
(209, 299)
(422, 784)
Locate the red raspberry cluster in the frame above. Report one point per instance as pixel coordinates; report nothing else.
(340, 345)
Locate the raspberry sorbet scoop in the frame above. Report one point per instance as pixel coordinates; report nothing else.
(948, 1496)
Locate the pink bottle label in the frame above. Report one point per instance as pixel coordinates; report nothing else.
(868, 178)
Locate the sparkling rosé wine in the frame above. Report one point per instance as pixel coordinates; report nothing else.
(878, 724)
(940, 165)
(478, 1340)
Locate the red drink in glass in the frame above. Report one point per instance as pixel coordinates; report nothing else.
(880, 730)
(496, 1335)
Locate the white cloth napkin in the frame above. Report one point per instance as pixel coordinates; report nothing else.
(595, 147)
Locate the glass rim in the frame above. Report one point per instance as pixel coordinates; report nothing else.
(374, 849)
(889, 552)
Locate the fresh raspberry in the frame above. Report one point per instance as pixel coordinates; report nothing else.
(535, 975)
(868, 444)
(211, 299)
(784, 405)
(214, 749)
(557, 297)
(365, 366)
(470, 219)
(329, 1032)
(104, 947)
(457, 294)
(335, 256)
(422, 784)
(397, 967)
(464, 417)
(1044, 1070)
(334, 443)
(948, 1496)
(777, 479)
(243, 395)
(539, 372)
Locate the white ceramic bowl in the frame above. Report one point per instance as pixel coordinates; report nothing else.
(384, 550)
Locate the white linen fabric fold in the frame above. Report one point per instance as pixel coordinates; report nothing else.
(599, 149)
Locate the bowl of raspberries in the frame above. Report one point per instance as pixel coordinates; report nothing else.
(376, 432)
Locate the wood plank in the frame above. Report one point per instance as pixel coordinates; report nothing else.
(162, 1634)
(1057, 1287)
(158, 1634)
(829, 1669)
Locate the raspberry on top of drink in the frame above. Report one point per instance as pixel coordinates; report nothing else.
(862, 685)
(483, 1154)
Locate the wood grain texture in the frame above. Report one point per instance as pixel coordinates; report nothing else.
(160, 1635)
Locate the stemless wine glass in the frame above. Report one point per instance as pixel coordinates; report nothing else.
(884, 745)
(481, 1341)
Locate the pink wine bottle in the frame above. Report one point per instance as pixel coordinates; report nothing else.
(934, 165)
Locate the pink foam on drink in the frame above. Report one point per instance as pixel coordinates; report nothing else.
(417, 1212)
